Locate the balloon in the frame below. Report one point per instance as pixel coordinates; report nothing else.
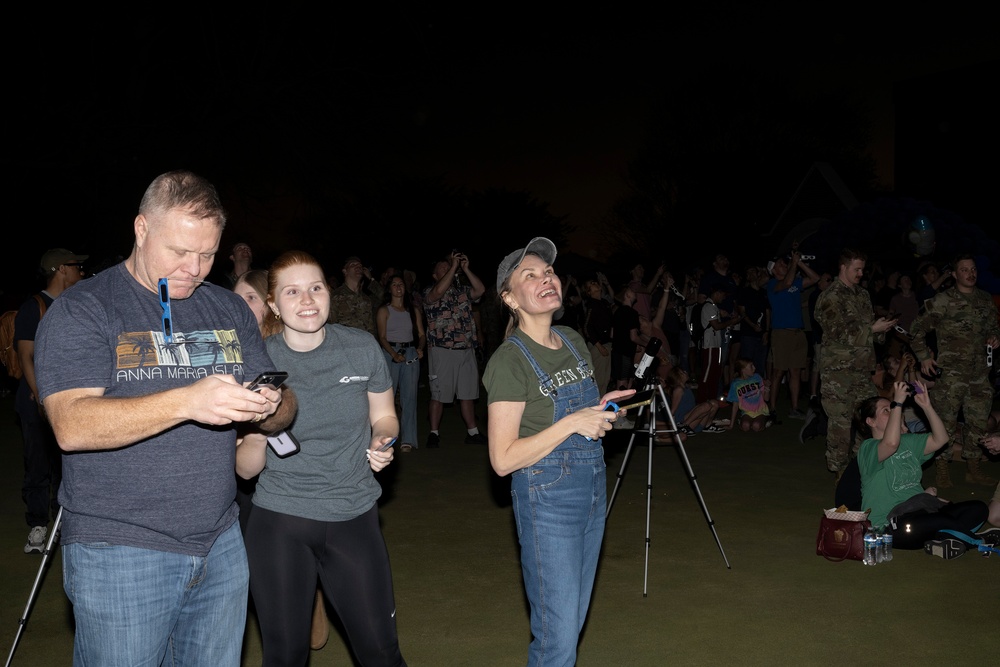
(921, 236)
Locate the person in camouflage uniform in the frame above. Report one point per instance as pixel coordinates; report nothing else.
(964, 319)
(354, 303)
(844, 311)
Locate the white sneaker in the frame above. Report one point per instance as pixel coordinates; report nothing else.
(36, 540)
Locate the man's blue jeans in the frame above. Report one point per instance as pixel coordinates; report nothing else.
(139, 607)
(559, 505)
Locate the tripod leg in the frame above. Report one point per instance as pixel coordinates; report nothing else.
(53, 536)
(649, 489)
(621, 473)
(652, 431)
(691, 476)
(701, 501)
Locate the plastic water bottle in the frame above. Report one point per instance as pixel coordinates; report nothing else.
(879, 545)
(871, 547)
(887, 543)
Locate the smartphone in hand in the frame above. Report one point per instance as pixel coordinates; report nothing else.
(273, 379)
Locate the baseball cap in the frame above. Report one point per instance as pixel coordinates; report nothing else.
(56, 257)
(539, 245)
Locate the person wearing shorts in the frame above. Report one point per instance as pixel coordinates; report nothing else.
(789, 346)
(453, 373)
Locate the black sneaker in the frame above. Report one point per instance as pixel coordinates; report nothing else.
(948, 548)
(990, 537)
(477, 439)
(433, 441)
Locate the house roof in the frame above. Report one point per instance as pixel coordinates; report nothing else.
(820, 196)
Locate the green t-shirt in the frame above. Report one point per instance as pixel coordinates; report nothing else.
(884, 485)
(510, 377)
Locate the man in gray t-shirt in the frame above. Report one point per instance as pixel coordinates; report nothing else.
(142, 370)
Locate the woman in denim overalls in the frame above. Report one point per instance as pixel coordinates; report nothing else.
(546, 421)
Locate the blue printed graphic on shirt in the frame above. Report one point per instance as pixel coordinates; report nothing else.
(193, 355)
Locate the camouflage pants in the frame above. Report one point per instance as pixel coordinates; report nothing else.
(953, 392)
(841, 392)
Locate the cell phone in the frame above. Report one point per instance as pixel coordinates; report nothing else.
(283, 444)
(916, 388)
(387, 445)
(273, 379)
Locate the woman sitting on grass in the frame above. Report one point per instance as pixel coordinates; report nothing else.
(890, 461)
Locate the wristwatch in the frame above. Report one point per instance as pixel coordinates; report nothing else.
(894, 404)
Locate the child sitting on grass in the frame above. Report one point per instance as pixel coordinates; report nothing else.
(748, 395)
(691, 417)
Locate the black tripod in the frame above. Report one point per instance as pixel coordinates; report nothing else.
(660, 401)
(53, 536)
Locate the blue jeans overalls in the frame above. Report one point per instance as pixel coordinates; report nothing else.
(559, 506)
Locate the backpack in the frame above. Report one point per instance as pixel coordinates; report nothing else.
(8, 352)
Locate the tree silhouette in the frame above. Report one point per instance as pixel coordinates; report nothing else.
(143, 345)
(234, 348)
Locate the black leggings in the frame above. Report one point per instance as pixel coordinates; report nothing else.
(286, 555)
(910, 531)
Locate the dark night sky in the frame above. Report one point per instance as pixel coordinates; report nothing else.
(276, 103)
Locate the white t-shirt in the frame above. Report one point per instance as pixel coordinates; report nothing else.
(712, 337)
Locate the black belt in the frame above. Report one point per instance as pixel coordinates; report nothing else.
(409, 344)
